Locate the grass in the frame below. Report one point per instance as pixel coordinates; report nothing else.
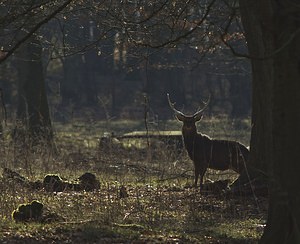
(161, 206)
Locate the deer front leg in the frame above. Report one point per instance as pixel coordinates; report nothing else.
(199, 171)
(202, 173)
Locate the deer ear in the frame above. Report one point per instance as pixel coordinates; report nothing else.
(198, 117)
(180, 117)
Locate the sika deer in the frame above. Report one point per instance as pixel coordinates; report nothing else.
(206, 152)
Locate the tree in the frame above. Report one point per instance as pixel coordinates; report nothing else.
(19, 25)
(272, 30)
(33, 110)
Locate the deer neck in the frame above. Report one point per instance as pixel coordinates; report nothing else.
(191, 138)
(190, 135)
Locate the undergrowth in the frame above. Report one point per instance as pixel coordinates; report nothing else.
(161, 205)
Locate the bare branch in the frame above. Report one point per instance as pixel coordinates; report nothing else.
(180, 37)
(244, 55)
(34, 29)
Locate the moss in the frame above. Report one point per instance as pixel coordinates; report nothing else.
(53, 182)
(88, 182)
(28, 212)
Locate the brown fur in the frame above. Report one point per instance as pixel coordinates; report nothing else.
(210, 153)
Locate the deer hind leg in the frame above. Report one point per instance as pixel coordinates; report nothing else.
(197, 173)
(241, 159)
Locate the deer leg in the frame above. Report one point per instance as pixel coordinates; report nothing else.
(197, 173)
(202, 173)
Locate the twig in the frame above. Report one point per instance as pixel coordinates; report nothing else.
(146, 111)
(34, 29)
(3, 105)
(183, 174)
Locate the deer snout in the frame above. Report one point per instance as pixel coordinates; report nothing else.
(189, 128)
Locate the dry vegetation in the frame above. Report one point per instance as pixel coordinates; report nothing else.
(159, 206)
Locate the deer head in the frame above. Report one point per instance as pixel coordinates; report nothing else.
(189, 121)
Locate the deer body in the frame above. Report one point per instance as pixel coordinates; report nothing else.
(209, 153)
(214, 154)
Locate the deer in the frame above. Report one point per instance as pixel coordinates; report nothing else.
(206, 152)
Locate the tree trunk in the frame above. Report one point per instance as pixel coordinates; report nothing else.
(272, 29)
(33, 110)
(259, 44)
(284, 213)
(70, 90)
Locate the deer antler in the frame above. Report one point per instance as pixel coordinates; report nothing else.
(200, 110)
(172, 106)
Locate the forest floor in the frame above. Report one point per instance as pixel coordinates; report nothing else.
(145, 194)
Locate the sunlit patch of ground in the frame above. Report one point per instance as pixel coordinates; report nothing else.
(159, 206)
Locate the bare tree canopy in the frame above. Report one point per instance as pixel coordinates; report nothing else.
(139, 23)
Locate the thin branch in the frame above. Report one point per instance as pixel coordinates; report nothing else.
(237, 54)
(184, 35)
(272, 55)
(34, 29)
(3, 106)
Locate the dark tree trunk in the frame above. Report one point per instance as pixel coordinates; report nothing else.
(70, 90)
(33, 110)
(272, 29)
(284, 213)
(259, 44)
